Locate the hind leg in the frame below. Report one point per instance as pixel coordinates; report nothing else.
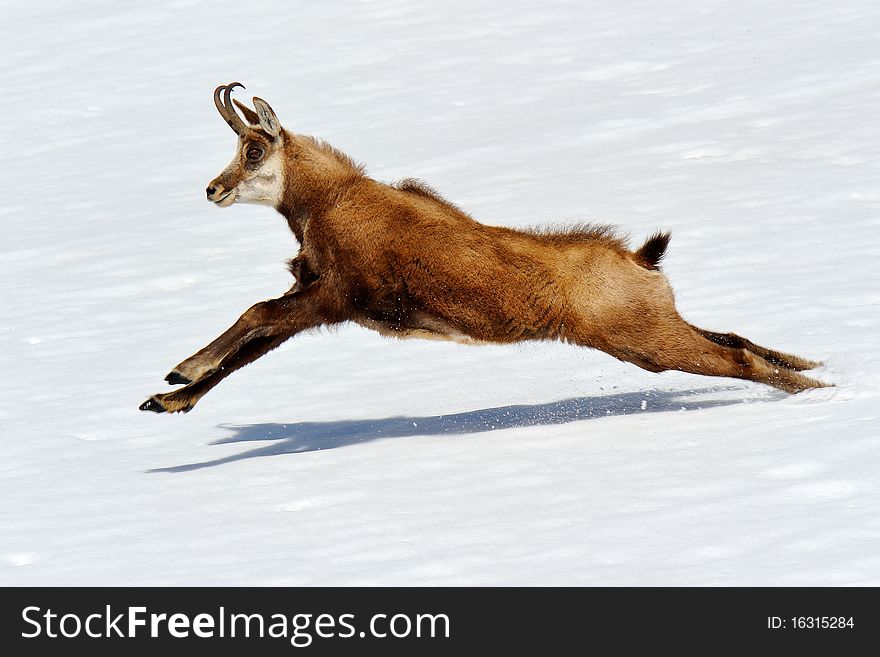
(632, 316)
(679, 346)
(788, 361)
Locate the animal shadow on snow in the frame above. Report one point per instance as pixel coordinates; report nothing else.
(311, 436)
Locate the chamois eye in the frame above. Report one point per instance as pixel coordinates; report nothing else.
(254, 153)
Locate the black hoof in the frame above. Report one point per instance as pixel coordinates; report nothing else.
(175, 378)
(152, 405)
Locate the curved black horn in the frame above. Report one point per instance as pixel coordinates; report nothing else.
(226, 109)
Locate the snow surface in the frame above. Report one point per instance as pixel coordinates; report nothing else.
(748, 128)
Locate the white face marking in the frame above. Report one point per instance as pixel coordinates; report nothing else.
(265, 185)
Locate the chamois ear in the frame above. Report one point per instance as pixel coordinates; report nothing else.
(249, 115)
(268, 121)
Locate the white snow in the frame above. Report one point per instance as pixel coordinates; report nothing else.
(748, 128)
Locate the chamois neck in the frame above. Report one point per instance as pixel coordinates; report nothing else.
(316, 175)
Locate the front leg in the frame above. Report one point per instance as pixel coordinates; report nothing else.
(260, 329)
(183, 399)
(207, 360)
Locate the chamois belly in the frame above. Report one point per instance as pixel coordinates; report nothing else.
(388, 308)
(419, 326)
(467, 316)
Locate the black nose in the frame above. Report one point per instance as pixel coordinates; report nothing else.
(210, 191)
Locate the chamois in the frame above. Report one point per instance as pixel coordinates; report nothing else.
(402, 260)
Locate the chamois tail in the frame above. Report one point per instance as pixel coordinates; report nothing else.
(652, 251)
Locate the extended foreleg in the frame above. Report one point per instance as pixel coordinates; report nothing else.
(260, 329)
(183, 399)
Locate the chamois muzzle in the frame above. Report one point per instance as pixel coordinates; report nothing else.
(220, 195)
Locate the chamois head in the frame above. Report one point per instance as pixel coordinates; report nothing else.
(255, 174)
